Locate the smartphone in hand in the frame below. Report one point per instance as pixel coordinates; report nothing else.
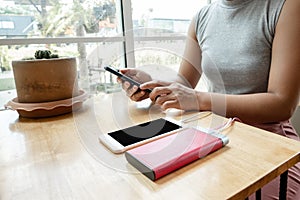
(123, 77)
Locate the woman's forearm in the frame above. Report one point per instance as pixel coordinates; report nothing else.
(250, 108)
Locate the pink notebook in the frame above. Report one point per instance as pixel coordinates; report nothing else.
(159, 158)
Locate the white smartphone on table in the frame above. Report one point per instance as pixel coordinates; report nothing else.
(122, 140)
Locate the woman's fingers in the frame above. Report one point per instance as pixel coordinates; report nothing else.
(174, 96)
(130, 89)
(153, 84)
(159, 92)
(138, 96)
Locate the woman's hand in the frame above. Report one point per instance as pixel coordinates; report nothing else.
(172, 95)
(133, 91)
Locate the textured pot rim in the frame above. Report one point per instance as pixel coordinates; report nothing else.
(15, 105)
(44, 60)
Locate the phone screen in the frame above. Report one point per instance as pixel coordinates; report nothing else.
(143, 131)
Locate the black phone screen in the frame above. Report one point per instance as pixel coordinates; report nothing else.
(143, 131)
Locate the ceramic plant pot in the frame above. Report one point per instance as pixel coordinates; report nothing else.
(47, 109)
(45, 80)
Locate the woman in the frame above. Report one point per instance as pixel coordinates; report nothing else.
(248, 50)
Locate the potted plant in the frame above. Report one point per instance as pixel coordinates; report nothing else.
(45, 78)
(46, 85)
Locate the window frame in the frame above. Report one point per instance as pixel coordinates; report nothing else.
(127, 38)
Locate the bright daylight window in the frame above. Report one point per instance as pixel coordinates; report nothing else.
(7, 25)
(98, 32)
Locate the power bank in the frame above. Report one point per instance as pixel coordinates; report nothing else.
(159, 158)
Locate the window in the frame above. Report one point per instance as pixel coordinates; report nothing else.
(170, 17)
(160, 32)
(98, 32)
(7, 25)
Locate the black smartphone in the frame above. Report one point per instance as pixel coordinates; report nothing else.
(123, 77)
(121, 140)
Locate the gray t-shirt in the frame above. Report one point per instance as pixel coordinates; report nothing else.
(236, 38)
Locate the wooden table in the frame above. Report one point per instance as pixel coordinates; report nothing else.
(61, 157)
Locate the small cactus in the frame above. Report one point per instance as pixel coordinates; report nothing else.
(54, 56)
(44, 54)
